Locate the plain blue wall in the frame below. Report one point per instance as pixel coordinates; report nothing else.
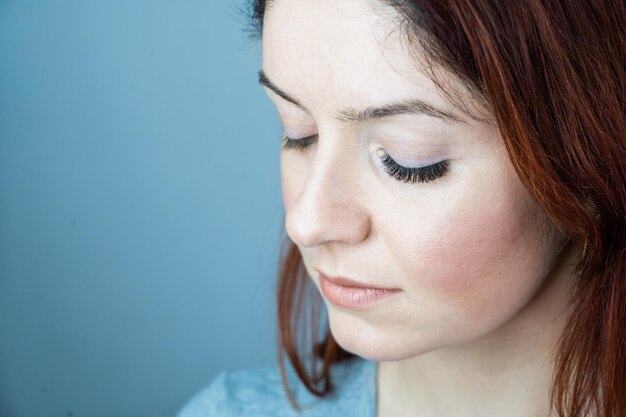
(140, 205)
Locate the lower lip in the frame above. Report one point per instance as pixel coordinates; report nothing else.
(353, 297)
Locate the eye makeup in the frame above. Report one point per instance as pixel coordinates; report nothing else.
(399, 172)
(297, 144)
(420, 174)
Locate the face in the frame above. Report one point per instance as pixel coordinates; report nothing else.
(461, 239)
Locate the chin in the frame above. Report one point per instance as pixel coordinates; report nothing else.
(362, 339)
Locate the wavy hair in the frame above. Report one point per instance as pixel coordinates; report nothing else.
(553, 75)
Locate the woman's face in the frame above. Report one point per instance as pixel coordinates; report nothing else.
(467, 249)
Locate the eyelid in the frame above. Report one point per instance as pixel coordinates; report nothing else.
(417, 164)
(297, 143)
(296, 127)
(422, 174)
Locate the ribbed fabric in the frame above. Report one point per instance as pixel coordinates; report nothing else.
(259, 393)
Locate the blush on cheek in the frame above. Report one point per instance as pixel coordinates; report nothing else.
(480, 263)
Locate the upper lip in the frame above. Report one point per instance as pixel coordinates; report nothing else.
(347, 282)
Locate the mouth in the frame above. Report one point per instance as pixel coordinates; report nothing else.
(348, 293)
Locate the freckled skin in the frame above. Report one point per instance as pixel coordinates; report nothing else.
(469, 250)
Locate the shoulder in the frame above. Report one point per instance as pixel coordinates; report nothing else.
(237, 393)
(260, 392)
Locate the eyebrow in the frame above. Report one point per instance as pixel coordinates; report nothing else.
(350, 114)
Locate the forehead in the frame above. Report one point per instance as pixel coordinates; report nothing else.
(330, 53)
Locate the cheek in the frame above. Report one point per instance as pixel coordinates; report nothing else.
(477, 257)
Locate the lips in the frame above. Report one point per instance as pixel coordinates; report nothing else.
(349, 293)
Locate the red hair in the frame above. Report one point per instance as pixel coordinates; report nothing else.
(553, 75)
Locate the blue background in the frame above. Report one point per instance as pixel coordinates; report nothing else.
(140, 205)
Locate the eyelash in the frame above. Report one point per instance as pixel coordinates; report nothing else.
(399, 172)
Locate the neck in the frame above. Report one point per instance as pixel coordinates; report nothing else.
(506, 372)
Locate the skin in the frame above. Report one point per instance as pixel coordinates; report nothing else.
(485, 276)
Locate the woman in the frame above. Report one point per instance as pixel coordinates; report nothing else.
(453, 177)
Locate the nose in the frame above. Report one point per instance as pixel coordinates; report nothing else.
(329, 206)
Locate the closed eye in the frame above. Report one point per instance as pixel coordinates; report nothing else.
(413, 175)
(298, 144)
(395, 170)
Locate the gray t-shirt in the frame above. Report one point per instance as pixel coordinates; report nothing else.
(259, 392)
